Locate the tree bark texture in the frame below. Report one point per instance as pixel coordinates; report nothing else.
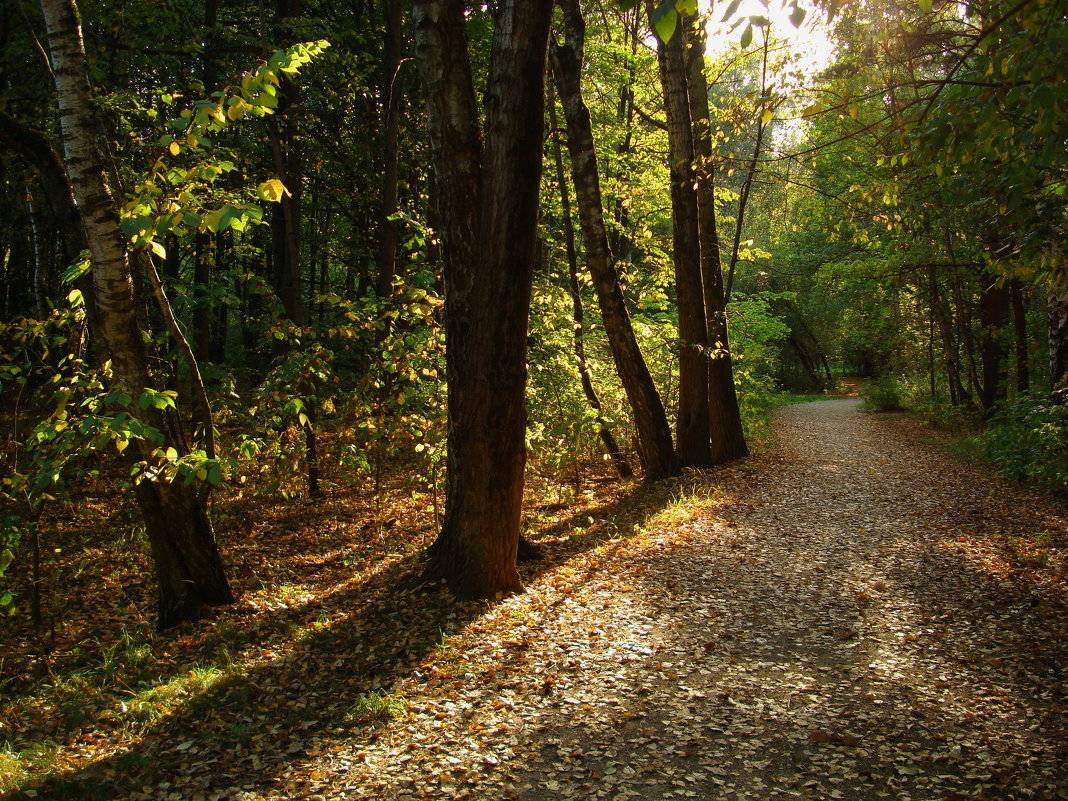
(284, 127)
(692, 431)
(727, 438)
(1057, 317)
(488, 204)
(577, 311)
(650, 420)
(189, 569)
(390, 105)
(993, 315)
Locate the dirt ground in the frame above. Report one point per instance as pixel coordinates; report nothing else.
(855, 615)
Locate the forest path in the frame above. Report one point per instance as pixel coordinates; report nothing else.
(843, 627)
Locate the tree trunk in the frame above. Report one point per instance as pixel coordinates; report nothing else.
(692, 433)
(577, 313)
(390, 104)
(488, 203)
(993, 313)
(950, 350)
(284, 131)
(1019, 324)
(727, 438)
(1057, 316)
(650, 420)
(189, 569)
(36, 149)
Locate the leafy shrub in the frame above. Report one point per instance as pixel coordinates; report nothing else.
(942, 414)
(1027, 439)
(883, 394)
(10, 534)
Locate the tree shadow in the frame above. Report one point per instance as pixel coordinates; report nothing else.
(307, 666)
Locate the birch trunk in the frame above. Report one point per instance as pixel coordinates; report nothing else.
(189, 570)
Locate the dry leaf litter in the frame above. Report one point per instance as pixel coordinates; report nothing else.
(841, 620)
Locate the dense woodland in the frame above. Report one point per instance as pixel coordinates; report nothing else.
(276, 251)
(416, 279)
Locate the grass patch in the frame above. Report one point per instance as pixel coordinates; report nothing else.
(792, 399)
(17, 763)
(375, 708)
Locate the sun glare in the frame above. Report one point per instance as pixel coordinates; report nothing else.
(810, 41)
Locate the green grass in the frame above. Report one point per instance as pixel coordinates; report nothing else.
(376, 707)
(790, 399)
(18, 764)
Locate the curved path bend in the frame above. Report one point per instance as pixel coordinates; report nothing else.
(851, 623)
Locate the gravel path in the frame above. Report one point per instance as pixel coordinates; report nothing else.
(841, 628)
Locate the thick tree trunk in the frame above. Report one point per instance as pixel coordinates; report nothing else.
(650, 420)
(692, 433)
(488, 203)
(189, 569)
(724, 416)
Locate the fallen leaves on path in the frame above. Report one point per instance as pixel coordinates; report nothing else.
(851, 616)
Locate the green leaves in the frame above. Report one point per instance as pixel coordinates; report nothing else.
(154, 399)
(78, 269)
(664, 19)
(170, 199)
(731, 9)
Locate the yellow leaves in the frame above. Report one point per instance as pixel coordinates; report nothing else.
(238, 108)
(174, 148)
(273, 191)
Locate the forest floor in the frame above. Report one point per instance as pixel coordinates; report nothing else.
(853, 613)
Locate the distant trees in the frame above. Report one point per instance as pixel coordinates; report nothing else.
(907, 219)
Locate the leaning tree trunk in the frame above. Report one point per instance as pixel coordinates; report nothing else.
(692, 434)
(650, 420)
(724, 416)
(578, 316)
(189, 570)
(488, 204)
